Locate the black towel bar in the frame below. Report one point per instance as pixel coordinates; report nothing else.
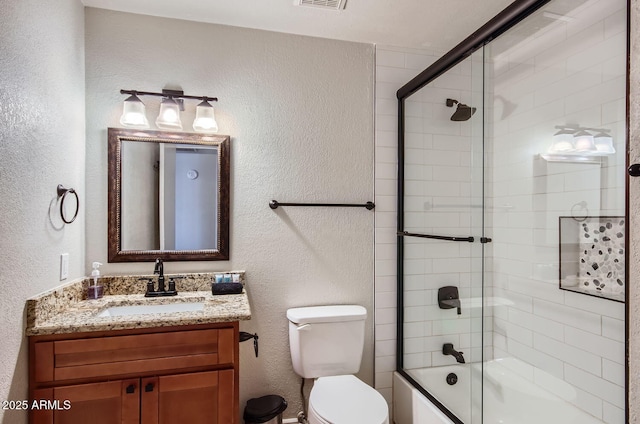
(369, 205)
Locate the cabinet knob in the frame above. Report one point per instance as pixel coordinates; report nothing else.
(634, 170)
(149, 387)
(131, 388)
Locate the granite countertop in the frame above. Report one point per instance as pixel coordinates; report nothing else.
(65, 309)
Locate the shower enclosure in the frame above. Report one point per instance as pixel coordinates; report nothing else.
(511, 219)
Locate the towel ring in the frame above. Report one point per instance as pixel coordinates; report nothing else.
(62, 193)
(583, 207)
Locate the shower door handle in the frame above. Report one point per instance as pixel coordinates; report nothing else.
(434, 237)
(634, 170)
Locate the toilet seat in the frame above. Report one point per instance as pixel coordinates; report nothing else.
(345, 399)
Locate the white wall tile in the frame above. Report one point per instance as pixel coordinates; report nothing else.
(613, 372)
(383, 379)
(612, 414)
(606, 390)
(389, 58)
(385, 315)
(419, 62)
(600, 306)
(537, 324)
(575, 318)
(567, 353)
(385, 363)
(386, 283)
(595, 344)
(398, 76)
(386, 90)
(385, 300)
(613, 329)
(513, 332)
(387, 138)
(385, 332)
(538, 359)
(588, 402)
(385, 348)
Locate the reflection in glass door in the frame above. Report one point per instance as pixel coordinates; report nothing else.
(555, 97)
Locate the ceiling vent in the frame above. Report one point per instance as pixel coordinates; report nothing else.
(323, 4)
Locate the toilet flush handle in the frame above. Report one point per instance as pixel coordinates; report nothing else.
(303, 327)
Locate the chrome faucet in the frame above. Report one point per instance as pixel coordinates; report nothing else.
(447, 349)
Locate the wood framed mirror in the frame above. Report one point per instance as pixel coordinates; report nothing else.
(168, 196)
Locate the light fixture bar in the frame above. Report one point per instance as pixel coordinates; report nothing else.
(174, 94)
(579, 128)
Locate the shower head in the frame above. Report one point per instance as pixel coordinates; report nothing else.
(463, 112)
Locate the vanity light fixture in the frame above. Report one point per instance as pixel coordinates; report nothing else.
(205, 118)
(134, 115)
(169, 116)
(573, 143)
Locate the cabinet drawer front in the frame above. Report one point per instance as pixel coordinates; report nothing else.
(133, 354)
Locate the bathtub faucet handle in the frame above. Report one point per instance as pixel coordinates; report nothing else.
(448, 298)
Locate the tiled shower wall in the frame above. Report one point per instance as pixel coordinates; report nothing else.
(440, 185)
(394, 68)
(443, 196)
(569, 72)
(556, 334)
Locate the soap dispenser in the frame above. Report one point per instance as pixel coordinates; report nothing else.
(94, 291)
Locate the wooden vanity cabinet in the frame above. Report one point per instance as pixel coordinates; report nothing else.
(152, 376)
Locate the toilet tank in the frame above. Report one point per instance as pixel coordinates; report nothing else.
(326, 340)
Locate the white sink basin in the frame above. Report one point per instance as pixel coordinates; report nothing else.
(117, 311)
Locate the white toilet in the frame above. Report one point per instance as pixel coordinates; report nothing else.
(326, 344)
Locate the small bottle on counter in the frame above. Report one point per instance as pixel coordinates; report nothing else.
(95, 291)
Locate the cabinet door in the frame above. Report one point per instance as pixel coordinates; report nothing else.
(197, 398)
(113, 402)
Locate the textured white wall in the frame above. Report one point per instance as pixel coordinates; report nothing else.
(41, 146)
(300, 114)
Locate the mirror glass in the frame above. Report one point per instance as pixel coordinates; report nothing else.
(168, 196)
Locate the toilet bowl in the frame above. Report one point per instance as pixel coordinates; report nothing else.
(345, 399)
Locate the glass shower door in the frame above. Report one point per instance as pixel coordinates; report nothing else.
(441, 240)
(512, 220)
(555, 92)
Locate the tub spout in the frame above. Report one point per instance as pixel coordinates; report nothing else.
(447, 349)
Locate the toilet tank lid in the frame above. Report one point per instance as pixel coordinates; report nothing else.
(331, 313)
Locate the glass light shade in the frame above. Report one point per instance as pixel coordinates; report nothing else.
(584, 142)
(604, 143)
(169, 116)
(133, 113)
(562, 142)
(205, 118)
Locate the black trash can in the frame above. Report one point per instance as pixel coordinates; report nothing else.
(263, 409)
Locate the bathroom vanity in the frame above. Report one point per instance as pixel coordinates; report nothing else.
(174, 367)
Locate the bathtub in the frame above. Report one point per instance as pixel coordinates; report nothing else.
(507, 397)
